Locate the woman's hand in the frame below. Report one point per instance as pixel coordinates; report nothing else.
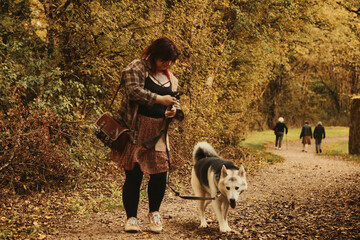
(166, 100)
(170, 112)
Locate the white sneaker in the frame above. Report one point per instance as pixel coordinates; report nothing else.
(155, 222)
(276, 147)
(131, 225)
(279, 148)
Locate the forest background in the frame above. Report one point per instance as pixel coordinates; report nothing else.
(244, 63)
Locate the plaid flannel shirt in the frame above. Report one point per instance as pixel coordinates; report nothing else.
(133, 92)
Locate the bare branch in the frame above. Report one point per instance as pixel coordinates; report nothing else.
(8, 163)
(348, 9)
(61, 9)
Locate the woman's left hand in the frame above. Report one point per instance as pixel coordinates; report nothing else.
(170, 113)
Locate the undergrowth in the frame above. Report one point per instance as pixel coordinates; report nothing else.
(33, 149)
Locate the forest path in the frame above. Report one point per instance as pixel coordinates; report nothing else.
(308, 196)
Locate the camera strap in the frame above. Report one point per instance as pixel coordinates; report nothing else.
(151, 142)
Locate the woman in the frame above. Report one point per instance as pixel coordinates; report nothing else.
(306, 135)
(149, 88)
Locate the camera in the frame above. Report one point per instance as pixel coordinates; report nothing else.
(177, 94)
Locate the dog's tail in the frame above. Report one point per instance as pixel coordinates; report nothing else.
(203, 150)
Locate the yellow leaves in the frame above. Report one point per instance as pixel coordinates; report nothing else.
(38, 19)
(205, 236)
(36, 224)
(301, 50)
(147, 235)
(42, 236)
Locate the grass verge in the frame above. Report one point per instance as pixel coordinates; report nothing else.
(340, 149)
(258, 141)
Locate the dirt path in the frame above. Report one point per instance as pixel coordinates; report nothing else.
(308, 196)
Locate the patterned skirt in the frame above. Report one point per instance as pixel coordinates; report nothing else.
(306, 140)
(149, 160)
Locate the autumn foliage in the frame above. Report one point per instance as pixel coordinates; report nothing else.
(33, 149)
(243, 64)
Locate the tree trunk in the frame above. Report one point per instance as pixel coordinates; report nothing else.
(354, 131)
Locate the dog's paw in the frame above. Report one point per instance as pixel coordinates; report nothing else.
(225, 229)
(203, 225)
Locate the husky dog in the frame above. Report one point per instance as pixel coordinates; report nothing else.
(217, 178)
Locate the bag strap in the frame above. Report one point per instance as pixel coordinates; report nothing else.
(133, 122)
(117, 90)
(134, 117)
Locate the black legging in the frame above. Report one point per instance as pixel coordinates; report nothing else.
(131, 190)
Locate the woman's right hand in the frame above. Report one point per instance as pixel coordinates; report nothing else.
(166, 100)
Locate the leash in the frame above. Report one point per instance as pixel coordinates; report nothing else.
(150, 143)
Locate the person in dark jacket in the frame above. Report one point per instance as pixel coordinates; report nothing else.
(319, 134)
(279, 129)
(306, 135)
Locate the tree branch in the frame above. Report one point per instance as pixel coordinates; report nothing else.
(348, 9)
(8, 163)
(60, 10)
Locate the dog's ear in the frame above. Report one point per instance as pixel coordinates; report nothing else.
(223, 172)
(242, 171)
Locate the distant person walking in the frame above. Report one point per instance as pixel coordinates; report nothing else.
(279, 130)
(319, 134)
(306, 135)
